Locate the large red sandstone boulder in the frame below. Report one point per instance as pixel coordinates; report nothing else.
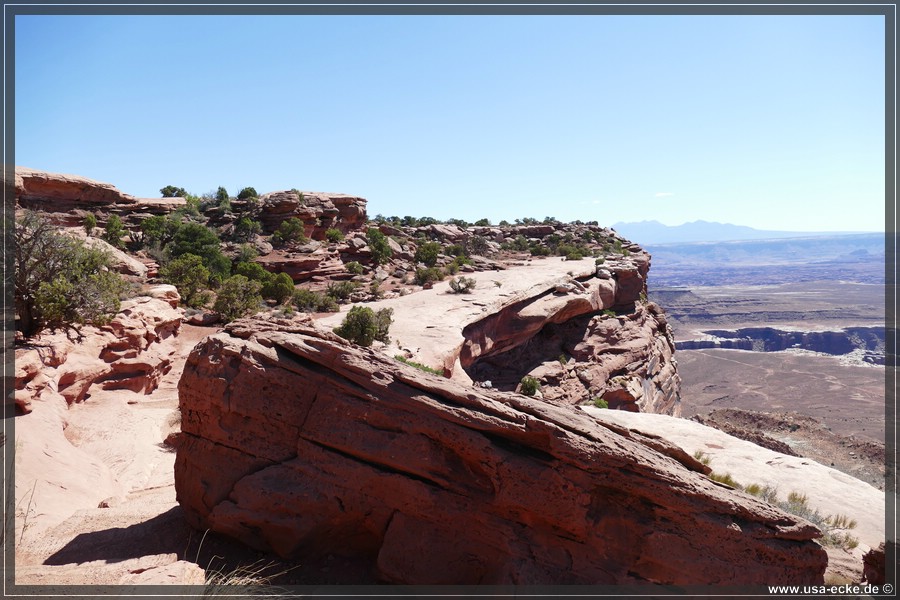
(297, 442)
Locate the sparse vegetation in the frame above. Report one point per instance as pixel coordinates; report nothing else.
(462, 285)
(333, 235)
(114, 231)
(426, 275)
(59, 282)
(600, 403)
(341, 290)
(188, 274)
(428, 253)
(529, 385)
(90, 223)
(237, 297)
(354, 268)
(362, 325)
(703, 457)
(419, 366)
(312, 302)
(289, 231)
(378, 245)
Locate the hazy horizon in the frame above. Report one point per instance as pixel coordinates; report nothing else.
(769, 122)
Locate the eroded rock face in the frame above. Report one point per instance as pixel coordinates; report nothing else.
(131, 352)
(297, 442)
(66, 199)
(319, 211)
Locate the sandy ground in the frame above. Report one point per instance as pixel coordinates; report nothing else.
(120, 435)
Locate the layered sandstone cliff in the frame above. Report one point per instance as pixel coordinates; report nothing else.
(297, 442)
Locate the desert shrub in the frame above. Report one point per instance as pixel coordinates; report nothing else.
(478, 245)
(289, 230)
(90, 223)
(253, 271)
(59, 282)
(375, 289)
(378, 245)
(529, 385)
(341, 290)
(601, 403)
(520, 243)
(246, 229)
(237, 297)
(455, 250)
(279, 288)
(452, 268)
(354, 267)
(428, 253)
(539, 250)
(703, 457)
(114, 231)
(427, 275)
(362, 325)
(159, 229)
(222, 196)
(247, 193)
(246, 253)
(333, 235)
(194, 238)
(170, 191)
(482, 223)
(310, 301)
(188, 274)
(462, 285)
(419, 366)
(726, 478)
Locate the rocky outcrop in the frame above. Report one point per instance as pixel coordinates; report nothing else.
(585, 339)
(66, 199)
(296, 442)
(131, 352)
(319, 211)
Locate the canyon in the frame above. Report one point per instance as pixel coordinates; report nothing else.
(346, 465)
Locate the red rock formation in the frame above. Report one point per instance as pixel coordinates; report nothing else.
(131, 352)
(66, 199)
(297, 442)
(318, 211)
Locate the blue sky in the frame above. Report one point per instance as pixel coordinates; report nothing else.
(775, 122)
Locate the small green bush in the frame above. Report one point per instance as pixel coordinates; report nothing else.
(428, 274)
(354, 267)
(90, 223)
(462, 285)
(247, 193)
(237, 297)
(188, 274)
(279, 288)
(341, 290)
(310, 302)
(379, 246)
(428, 253)
(601, 403)
(529, 385)
(362, 325)
(114, 231)
(333, 235)
(289, 231)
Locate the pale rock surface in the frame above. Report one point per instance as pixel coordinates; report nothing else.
(829, 491)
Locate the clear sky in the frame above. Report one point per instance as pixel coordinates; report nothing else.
(775, 122)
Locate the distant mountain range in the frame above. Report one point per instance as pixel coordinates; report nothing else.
(654, 232)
